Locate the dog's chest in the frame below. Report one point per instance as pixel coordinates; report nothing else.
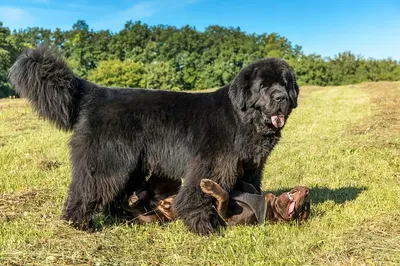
(240, 214)
(255, 152)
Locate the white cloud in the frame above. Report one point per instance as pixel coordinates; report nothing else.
(22, 18)
(15, 18)
(51, 14)
(140, 10)
(150, 8)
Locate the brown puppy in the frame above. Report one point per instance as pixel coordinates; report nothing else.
(235, 209)
(242, 206)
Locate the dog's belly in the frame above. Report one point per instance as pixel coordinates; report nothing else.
(166, 164)
(168, 155)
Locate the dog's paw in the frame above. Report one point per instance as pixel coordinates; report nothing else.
(165, 204)
(207, 185)
(87, 224)
(133, 200)
(203, 225)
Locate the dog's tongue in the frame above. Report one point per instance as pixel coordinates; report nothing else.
(291, 207)
(278, 120)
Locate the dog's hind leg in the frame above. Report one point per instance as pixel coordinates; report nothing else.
(81, 201)
(100, 174)
(89, 193)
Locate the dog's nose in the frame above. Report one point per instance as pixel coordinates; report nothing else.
(279, 97)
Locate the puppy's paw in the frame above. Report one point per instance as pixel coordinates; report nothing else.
(207, 185)
(166, 204)
(133, 200)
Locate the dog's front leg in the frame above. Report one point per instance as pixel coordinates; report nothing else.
(254, 177)
(196, 208)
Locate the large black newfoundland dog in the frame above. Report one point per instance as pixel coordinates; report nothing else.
(122, 135)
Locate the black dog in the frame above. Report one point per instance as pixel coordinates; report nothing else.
(120, 135)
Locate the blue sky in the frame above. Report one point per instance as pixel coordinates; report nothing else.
(325, 27)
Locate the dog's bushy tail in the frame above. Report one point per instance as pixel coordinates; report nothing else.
(49, 84)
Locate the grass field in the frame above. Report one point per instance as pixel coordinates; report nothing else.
(343, 142)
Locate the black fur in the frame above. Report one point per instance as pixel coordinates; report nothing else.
(120, 135)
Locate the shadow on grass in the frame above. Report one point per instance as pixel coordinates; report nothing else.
(322, 194)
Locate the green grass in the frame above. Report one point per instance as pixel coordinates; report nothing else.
(343, 142)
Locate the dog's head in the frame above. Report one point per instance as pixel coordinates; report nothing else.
(267, 91)
(289, 206)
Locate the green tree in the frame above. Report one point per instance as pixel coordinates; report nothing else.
(115, 73)
(6, 53)
(78, 48)
(344, 68)
(172, 58)
(312, 70)
(161, 75)
(5, 89)
(130, 41)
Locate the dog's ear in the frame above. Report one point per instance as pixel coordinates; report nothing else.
(305, 213)
(239, 90)
(290, 78)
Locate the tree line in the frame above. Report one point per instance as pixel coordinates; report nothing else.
(171, 58)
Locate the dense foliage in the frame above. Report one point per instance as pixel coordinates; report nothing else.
(173, 58)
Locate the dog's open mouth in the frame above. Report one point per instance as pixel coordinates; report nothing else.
(291, 208)
(278, 120)
(303, 204)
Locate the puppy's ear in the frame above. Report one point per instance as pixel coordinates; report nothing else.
(290, 78)
(239, 90)
(306, 212)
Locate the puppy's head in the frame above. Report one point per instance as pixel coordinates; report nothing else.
(267, 90)
(289, 206)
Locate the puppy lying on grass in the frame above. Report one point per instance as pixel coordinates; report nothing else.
(244, 205)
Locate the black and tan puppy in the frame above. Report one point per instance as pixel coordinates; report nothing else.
(152, 201)
(237, 207)
(121, 135)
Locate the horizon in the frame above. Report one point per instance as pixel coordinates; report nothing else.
(365, 28)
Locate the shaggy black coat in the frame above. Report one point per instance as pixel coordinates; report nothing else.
(122, 135)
